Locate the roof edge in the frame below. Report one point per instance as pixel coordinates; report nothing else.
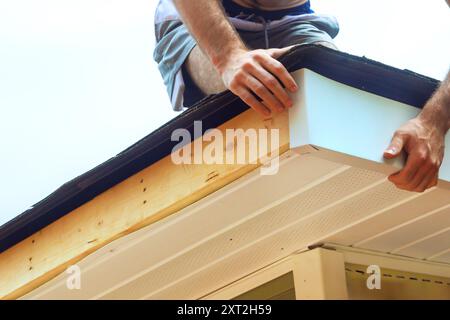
(358, 72)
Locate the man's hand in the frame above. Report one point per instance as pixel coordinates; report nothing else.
(424, 143)
(258, 79)
(423, 139)
(255, 76)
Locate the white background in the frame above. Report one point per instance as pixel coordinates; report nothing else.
(78, 83)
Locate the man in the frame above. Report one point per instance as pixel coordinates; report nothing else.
(234, 44)
(210, 53)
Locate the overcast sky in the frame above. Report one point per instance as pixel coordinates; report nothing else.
(78, 83)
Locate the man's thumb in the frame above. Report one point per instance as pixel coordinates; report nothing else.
(395, 147)
(276, 53)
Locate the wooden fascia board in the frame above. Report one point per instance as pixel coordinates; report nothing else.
(144, 198)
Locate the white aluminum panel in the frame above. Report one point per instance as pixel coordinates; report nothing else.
(334, 116)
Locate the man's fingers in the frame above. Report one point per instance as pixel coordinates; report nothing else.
(395, 147)
(261, 91)
(422, 178)
(278, 52)
(426, 174)
(433, 181)
(405, 176)
(271, 83)
(424, 145)
(419, 173)
(251, 100)
(276, 68)
(424, 181)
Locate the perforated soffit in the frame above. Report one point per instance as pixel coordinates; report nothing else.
(317, 196)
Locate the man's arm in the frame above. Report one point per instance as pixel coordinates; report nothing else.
(423, 138)
(247, 73)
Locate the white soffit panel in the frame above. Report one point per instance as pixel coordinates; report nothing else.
(319, 195)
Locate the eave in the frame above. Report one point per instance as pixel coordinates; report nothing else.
(109, 202)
